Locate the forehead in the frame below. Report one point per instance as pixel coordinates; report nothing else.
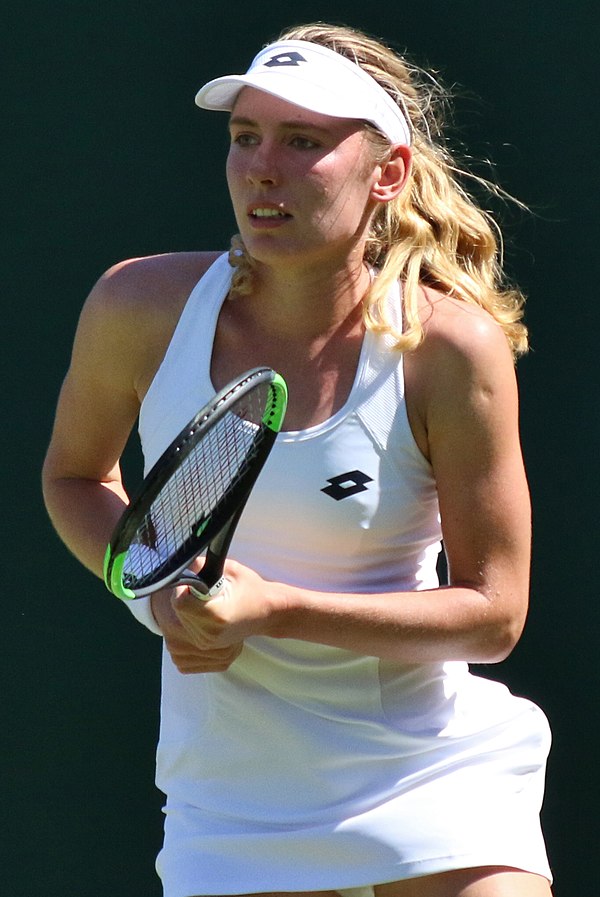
(259, 106)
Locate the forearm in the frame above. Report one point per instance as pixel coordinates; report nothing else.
(84, 513)
(450, 623)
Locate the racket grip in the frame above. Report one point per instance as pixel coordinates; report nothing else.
(217, 589)
(198, 587)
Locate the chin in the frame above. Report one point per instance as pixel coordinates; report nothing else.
(271, 252)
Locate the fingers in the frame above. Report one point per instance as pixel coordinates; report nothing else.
(193, 638)
(189, 659)
(200, 624)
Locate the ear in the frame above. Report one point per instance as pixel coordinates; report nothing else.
(392, 175)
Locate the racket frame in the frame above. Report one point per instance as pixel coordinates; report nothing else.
(215, 532)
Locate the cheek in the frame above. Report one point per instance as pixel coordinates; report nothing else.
(347, 196)
(232, 169)
(234, 178)
(347, 182)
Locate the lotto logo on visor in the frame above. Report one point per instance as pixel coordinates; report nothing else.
(313, 77)
(285, 59)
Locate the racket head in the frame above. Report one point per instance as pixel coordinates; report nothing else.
(196, 486)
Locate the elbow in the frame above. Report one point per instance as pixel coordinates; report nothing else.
(502, 644)
(503, 635)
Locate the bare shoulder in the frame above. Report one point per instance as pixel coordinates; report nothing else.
(460, 331)
(131, 313)
(463, 367)
(462, 345)
(158, 283)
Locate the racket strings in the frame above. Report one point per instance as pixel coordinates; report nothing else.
(192, 495)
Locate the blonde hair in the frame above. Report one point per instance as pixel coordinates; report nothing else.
(434, 233)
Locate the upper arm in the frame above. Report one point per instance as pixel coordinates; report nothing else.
(97, 405)
(466, 406)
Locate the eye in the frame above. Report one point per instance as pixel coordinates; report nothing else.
(302, 143)
(244, 139)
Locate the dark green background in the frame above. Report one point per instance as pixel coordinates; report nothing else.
(105, 156)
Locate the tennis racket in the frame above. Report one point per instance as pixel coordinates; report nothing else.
(193, 497)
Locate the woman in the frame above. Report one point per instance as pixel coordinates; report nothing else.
(334, 741)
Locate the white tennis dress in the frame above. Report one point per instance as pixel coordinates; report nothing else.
(306, 767)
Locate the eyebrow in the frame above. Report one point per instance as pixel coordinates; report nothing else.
(291, 125)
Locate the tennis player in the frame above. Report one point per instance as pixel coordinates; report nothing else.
(321, 731)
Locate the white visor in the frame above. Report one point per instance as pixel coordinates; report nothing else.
(316, 78)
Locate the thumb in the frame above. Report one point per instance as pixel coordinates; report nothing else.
(187, 601)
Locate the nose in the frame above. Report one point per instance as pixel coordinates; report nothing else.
(262, 166)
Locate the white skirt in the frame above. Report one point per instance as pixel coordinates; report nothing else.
(289, 792)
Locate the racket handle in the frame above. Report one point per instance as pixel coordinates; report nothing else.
(198, 587)
(217, 589)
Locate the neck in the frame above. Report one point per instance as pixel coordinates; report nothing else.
(310, 301)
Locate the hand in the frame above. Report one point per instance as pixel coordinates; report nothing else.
(187, 655)
(240, 610)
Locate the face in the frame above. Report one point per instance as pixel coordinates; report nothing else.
(300, 182)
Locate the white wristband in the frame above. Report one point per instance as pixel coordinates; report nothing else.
(142, 611)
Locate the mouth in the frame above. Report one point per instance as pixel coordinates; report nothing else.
(267, 213)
